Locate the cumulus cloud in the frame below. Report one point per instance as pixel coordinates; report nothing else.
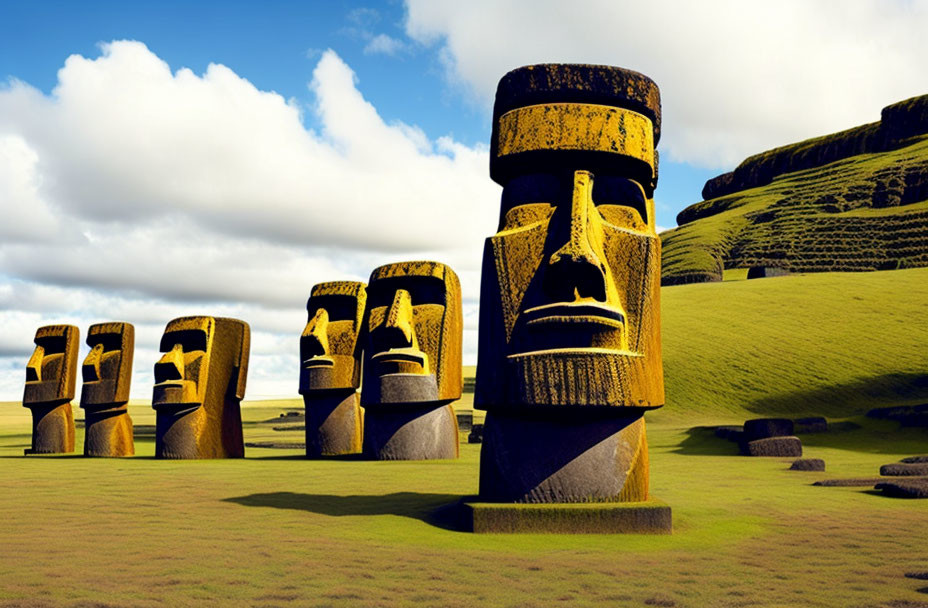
(138, 193)
(384, 45)
(736, 77)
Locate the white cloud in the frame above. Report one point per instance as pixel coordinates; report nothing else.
(140, 194)
(736, 77)
(384, 45)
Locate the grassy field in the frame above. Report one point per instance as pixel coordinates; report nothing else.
(278, 530)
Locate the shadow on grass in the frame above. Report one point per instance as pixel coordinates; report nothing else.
(841, 400)
(439, 510)
(701, 441)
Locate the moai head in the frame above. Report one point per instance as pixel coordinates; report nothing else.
(205, 361)
(107, 369)
(569, 305)
(52, 369)
(412, 345)
(329, 353)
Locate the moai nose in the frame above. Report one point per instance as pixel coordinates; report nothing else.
(315, 338)
(576, 270)
(34, 367)
(397, 330)
(90, 371)
(170, 366)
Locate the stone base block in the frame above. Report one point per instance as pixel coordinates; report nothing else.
(783, 447)
(648, 517)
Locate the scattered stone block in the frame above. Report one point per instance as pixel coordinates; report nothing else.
(476, 434)
(730, 432)
(915, 459)
(762, 428)
(904, 469)
(922, 576)
(761, 272)
(808, 464)
(904, 488)
(815, 424)
(850, 482)
(783, 447)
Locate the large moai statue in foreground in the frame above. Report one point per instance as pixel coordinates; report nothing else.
(199, 385)
(569, 355)
(330, 368)
(51, 375)
(107, 373)
(412, 362)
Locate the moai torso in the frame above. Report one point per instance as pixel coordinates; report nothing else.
(50, 379)
(199, 385)
(107, 374)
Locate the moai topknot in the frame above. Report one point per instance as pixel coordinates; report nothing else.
(569, 355)
(199, 385)
(107, 373)
(412, 362)
(50, 378)
(330, 369)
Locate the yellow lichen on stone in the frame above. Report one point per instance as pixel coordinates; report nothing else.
(51, 375)
(107, 374)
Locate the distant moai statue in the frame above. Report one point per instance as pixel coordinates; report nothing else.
(330, 368)
(50, 378)
(569, 354)
(412, 362)
(199, 385)
(107, 373)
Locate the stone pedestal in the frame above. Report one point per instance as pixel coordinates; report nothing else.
(647, 517)
(52, 428)
(108, 433)
(334, 423)
(410, 433)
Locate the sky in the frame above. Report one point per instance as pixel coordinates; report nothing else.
(163, 159)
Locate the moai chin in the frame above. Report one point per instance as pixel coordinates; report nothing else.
(412, 362)
(199, 385)
(330, 368)
(50, 378)
(569, 354)
(107, 374)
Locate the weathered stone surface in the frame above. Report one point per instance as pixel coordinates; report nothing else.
(330, 366)
(107, 375)
(412, 361)
(808, 464)
(904, 488)
(199, 384)
(786, 447)
(849, 482)
(904, 469)
(650, 517)
(762, 428)
(815, 424)
(51, 374)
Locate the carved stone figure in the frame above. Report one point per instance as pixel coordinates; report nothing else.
(412, 362)
(199, 385)
(330, 369)
(50, 378)
(569, 353)
(107, 373)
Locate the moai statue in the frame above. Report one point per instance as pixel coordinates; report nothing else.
(569, 354)
(107, 373)
(330, 369)
(412, 362)
(199, 386)
(50, 378)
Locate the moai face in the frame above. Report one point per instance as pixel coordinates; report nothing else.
(329, 353)
(52, 369)
(570, 309)
(412, 350)
(107, 369)
(205, 358)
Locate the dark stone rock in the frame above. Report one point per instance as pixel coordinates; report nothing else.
(762, 428)
(761, 272)
(915, 459)
(908, 488)
(850, 482)
(731, 433)
(922, 576)
(476, 434)
(775, 446)
(904, 469)
(808, 464)
(816, 424)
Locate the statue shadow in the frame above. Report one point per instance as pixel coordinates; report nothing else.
(439, 510)
(702, 441)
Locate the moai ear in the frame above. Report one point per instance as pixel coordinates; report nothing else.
(242, 367)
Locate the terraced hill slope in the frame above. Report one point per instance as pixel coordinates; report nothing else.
(850, 201)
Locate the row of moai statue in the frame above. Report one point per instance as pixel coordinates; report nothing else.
(569, 354)
(199, 384)
(404, 330)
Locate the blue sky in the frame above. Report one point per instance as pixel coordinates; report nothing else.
(159, 159)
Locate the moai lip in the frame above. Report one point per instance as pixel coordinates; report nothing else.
(569, 354)
(330, 368)
(412, 361)
(199, 384)
(51, 376)
(107, 375)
